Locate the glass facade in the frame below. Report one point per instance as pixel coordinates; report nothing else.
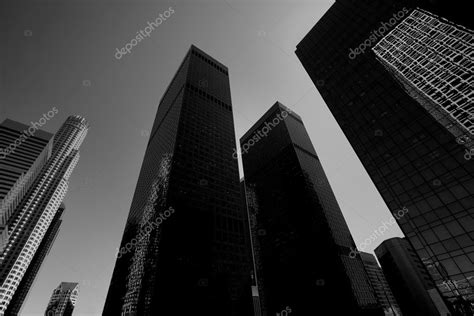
(197, 260)
(300, 239)
(413, 160)
(380, 285)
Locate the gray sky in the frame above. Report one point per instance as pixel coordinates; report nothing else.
(61, 54)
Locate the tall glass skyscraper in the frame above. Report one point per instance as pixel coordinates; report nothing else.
(30, 220)
(197, 259)
(300, 239)
(411, 156)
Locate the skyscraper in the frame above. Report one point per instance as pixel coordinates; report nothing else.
(413, 159)
(197, 259)
(300, 239)
(14, 308)
(409, 280)
(379, 283)
(24, 155)
(432, 58)
(31, 219)
(20, 164)
(63, 300)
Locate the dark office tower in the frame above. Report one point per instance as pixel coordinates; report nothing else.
(23, 152)
(379, 283)
(26, 283)
(31, 219)
(413, 159)
(63, 300)
(196, 260)
(301, 240)
(409, 280)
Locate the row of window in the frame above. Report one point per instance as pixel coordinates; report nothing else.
(210, 62)
(208, 96)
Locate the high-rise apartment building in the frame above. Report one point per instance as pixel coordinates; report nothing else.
(411, 156)
(433, 59)
(16, 303)
(30, 220)
(20, 164)
(409, 280)
(63, 300)
(301, 242)
(379, 283)
(197, 260)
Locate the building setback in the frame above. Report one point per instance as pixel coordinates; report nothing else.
(380, 285)
(198, 259)
(63, 300)
(413, 158)
(30, 220)
(409, 280)
(300, 239)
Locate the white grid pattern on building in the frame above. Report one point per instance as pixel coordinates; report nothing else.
(434, 60)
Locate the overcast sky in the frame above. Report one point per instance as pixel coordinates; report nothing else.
(61, 54)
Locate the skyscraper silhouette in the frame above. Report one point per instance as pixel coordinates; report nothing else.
(300, 239)
(412, 156)
(196, 260)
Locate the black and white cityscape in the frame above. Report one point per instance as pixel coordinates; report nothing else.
(236, 158)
